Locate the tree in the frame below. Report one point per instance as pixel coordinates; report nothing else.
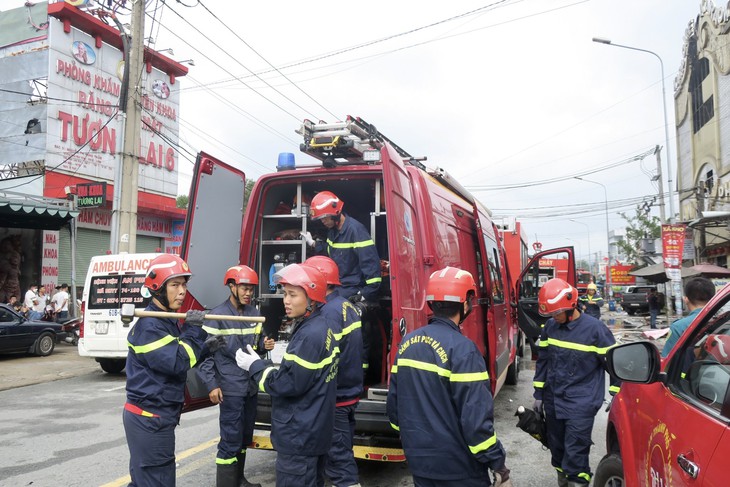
(639, 227)
(182, 201)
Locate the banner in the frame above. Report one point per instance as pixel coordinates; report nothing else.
(673, 249)
(620, 275)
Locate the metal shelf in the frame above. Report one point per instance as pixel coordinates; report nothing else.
(281, 242)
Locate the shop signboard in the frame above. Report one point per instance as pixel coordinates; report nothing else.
(620, 275)
(90, 195)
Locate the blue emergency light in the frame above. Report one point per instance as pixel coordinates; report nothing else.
(286, 161)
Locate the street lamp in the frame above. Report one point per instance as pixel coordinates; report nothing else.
(670, 190)
(588, 229)
(608, 237)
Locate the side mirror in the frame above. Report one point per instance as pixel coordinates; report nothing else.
(637, 362)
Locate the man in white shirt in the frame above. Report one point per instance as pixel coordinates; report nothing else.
(43, 298)
(60, 302)
(31, 302)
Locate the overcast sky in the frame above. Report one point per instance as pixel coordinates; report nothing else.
(514, 93)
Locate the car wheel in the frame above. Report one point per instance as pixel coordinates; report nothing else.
(513, 372)
(45, 344)
(630, 311)
(112, 366)
(610, 472)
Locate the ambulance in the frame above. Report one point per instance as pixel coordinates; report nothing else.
(421, 219)
(112, 280)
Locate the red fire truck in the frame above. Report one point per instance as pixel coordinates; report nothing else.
(420, 219)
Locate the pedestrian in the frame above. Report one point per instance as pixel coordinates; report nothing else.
(160, 353)
(303, 387)
(350, 245)
(14, 303)
(591, 302)
(341, 468)
(439, 396)
(570, 379)
(653, 299)
(228, 385)
(31, 302)
(60, 303)
(697, 293)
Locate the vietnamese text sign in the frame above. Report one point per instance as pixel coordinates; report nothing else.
(49, 261)
(90, 195)
(620, 275)
(673, 248)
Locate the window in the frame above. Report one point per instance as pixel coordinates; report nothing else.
(6, 316)
(495, 271)
(702, 110)
(113, 291)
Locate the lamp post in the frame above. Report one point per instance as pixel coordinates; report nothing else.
(608, 237)
(588, 229)
(670, 190)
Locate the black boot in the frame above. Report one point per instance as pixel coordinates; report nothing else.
(240, 464)
(226, 475)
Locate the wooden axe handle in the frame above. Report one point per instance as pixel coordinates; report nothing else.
(167, 314)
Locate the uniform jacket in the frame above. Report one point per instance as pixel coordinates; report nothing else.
(570, 373)
(160, 354)
(349, 337)
(592, 303)
(677, 328)
(440, 401)
(220, 369)
(354, 251)
(303, 388)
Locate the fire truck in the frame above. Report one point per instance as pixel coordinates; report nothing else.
(421, 219)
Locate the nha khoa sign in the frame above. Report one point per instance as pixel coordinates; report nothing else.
(90, 195)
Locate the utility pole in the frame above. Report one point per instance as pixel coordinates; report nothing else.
(127, 233)
(658, 152)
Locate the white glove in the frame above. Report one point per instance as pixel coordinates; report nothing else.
(498, 482)
(307, 236)
(247, 358)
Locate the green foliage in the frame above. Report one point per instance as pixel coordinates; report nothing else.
(583, 264)
(182, 201)
(639, 226)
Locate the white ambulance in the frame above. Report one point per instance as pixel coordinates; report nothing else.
(112, 281)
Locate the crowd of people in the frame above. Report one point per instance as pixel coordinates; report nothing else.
(37, 305)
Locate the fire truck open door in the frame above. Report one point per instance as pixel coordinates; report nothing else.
(528, 286)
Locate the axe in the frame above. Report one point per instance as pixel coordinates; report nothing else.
(129, 312)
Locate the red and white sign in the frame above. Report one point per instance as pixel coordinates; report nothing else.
(620, 275)
(673, 248)
(100, 219)
(49, 261)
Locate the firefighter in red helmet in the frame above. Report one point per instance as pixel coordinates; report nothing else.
(303, 389)
(437, 378)
(160, 354)
(228, 385)
(570, 376)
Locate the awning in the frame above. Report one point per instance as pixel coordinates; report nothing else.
(656, 273)
(22, 211)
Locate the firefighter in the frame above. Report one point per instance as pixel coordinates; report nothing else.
(303, 387)
(570, 376)
(591, 301)
(160, 354)
(227, 384)
(439, 397)
(341, 467)
(349, 244)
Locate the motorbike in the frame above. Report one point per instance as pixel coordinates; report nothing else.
(71, 328)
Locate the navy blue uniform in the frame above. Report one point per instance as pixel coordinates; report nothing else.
(354, 252)
(570, 379)
(592, 304)
(160, 354)
(440, 401)
(303, 391)
(238, 409)
(341, 467)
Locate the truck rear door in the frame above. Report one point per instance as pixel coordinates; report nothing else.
(529, 283)
(407, 285)
(211, 244)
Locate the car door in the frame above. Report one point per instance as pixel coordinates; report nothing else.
(686, 422)
(532, 278)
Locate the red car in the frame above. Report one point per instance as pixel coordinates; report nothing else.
(668, 426)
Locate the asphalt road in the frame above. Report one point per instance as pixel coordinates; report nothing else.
(61, 426)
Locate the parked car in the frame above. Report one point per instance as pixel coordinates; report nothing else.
(636, 299)
(668, 425)
(19, 334)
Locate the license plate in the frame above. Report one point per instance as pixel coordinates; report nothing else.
(635, 305)
(102, 328)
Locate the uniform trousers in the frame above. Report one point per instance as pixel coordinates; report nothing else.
(300, 470)
(570, 445)
(341, 467)
(151, 443)
(236, 420)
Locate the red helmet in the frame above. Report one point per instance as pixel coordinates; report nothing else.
(326, 266)
(450, 284)
(305, 276)
(163, 268)
(324, 204)
(241, 274)
(556, 296)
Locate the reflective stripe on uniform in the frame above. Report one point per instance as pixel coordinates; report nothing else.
(394, 426)
(373, 280)
(226, 461)
(580, 347)
(266, 372)
(538, 385)
(428, 367)
(151, 347)
(191, 353)
(233, 331)
(311, 365)
(349, 329)
(484, 445)
(139, 411)
(353, 245)
(614, 389)
(585, 476)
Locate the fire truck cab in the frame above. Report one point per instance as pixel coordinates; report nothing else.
(420, 219)
(668, 425)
